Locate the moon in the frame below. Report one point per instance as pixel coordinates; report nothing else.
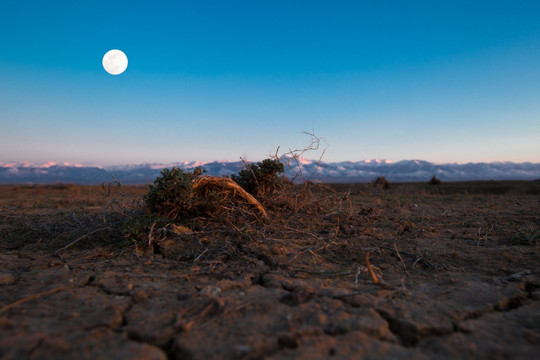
(115, 62)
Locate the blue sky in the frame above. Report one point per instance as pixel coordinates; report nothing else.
(443, 81)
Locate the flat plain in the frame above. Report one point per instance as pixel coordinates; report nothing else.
(455, 275)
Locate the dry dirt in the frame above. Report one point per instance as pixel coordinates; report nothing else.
(459, 265)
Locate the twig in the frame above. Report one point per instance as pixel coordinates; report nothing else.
(150, 234)
(403, 287)
(301, 232)
(358, 272)
(371, 272)
(424, 261)
(308, 250)
(246, 165)
(213, 305)
(32, 297)
(160, 276)
(240, 231)
(201, 254)
(401, 259)
(327, 273)
(80, 238)
(293, 156)
(76, 220)
(340, 296)
(485, 237)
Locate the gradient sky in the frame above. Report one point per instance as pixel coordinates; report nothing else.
(442, 81)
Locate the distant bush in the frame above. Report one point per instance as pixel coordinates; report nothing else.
(381, 183)
(262, 178)
(434, 181)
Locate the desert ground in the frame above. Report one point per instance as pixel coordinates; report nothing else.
(455, 267)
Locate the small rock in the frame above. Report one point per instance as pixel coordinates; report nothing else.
(7, 278)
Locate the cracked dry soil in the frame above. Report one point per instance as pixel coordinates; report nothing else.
(460, 270)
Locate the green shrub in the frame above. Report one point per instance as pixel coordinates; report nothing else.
(171, 195)
(262, 178)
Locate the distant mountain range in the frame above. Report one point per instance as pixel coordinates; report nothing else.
(343, 172)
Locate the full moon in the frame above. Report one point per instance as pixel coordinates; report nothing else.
(115, 62)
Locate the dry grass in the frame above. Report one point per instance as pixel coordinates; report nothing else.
(308, 228)
(329, 255)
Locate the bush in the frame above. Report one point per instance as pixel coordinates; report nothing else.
(179, 196)
(434, 181)
(381, 183)
(171, 195)
(262, 178)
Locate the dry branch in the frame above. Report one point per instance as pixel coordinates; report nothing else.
(150, 238)
(226, 185)
(80, 238)
(32, 297)
(292, 159)
(371, 272)
(401, 259)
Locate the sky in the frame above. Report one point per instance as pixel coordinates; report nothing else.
(441, 81)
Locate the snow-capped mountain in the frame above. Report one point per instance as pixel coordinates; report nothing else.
(346, 171)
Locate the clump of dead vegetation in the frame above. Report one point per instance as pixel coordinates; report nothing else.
(381, 183)
(212, 226)
(434, 180)
(190, 197)
(258, 213)
(179, 196)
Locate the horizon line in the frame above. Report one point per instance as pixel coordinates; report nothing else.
(195, 163)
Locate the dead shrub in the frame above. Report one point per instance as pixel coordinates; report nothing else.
(434, 181)
(381, 183)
